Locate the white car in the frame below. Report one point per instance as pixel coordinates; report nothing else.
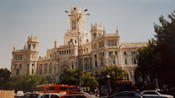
(154, 94)
(50, 95)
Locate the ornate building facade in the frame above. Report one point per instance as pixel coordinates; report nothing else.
(80, 51)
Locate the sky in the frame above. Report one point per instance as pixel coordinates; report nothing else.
(46, 20)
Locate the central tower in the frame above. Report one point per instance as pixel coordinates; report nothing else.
(76, 32)
(77, 19)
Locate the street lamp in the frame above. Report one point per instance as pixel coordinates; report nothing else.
(78, 15)
(109, 83)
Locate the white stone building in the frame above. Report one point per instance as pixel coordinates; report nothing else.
(80, 51)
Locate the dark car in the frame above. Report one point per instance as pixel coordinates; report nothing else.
(126, 94)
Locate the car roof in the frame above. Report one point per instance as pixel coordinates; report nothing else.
(149, 91)
(52, 94)
(127, 92)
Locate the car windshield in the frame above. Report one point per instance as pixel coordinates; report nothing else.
(30, 96)
(51, 96)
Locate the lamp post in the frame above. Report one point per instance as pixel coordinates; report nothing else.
(108, 82)
(78, 15)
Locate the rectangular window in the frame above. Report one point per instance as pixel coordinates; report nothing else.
(134, 61)
(28, 67)
(96, 64)
(15, 65)
(116, 53)
(101, 44)
(126, 63)
(112, 42)
(29, 47)
(34, 46)
(124, 53)
(32, 71)
(109, 43)
(95, 56)
(41, 68)
(110, 53)
(20, 66)
(133, 52)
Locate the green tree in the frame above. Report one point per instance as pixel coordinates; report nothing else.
(26, 82)
(165, 49)
(4, 78)
(90, 80)
(108, 76)
(70, 76)
(145, 61)
(157, 59)
(115, 73)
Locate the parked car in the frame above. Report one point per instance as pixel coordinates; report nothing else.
(154, 94)
(50, 95)
(126, 94)
(19, 94)
(30, 95)
(79, 95)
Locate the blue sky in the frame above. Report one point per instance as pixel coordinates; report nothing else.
(47, 20)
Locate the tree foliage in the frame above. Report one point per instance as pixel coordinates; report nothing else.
(4, 77)
(90, 80)
(115, 72)
(26, 82)
(71, 76)
(145, 60)
(157, 59)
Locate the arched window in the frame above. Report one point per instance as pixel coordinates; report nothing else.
(94, 35)
(72, 66)
(113, 61)
(29, 46)
(17, 72)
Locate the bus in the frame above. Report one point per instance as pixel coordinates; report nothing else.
(56, 88)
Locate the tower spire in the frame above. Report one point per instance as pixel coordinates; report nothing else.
(104, 31)
(14, 48)
(117, 30)
(55, 44)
